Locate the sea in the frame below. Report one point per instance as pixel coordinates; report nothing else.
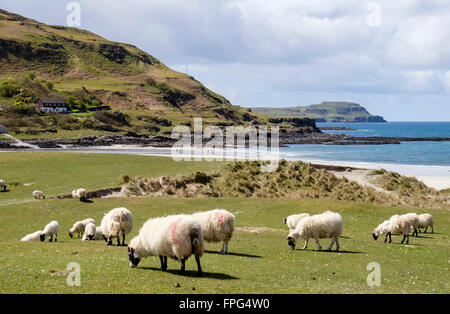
(406, 153)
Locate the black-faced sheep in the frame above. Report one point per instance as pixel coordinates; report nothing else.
(217, 225)
(51, 229)
(326, 225)
(116, 223)
(177, 237)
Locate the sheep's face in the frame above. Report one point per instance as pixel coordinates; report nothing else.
(133, 257)
(91, 237)
(70, 234)
(285, 219)
(42, 237)
(375, 235)
(291, 242)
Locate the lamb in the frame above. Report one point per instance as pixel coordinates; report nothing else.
(38, 194)
(79, 226)
(2, 185)
(89, 230)
(97, 236)
(292, 220)
(81, 194)
(118, 222)
(325, 225)
(35, 236)
(425, 221)
(52, 228)
(414, 221)
(177, 237)
(217, 225)
(395, 225)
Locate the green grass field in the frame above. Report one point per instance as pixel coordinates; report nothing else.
(257, 263)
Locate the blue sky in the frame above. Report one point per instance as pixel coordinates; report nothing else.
(393, 57)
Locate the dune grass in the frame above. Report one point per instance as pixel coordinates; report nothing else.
(257, 263)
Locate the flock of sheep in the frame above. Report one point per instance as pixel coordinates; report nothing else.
(180, 236)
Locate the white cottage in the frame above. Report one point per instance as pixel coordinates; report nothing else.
(52, 104)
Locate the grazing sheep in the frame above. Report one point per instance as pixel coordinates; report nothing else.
(396, 225)
(79, 226)
(414, 221)
(326, 225)
(89, 230)
(38, 194)
(177, 237)
(81, 194)
(292, 220)
(382, 228)
(425, 221)
(97, 236)
(35, 236)
(217, 225)
(2, 185)
(118, 222)
(52, 228)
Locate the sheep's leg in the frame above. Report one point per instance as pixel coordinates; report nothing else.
(318, 245)
(109, 241)
(163, 264)
(432, 229)
(407, 239)
(165, 261)
(331, 244)
(390, 237)
(51, 238)
(56, 238)
(118, 240)
(337, 243)
(426, 228)
(183, 264)
(385, 238)
(224, 248)
(404, 237)
(123, 239)
(199, 267)
(306, 244)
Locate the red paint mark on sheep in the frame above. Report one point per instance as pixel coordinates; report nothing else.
(221, 217)
(172, 233)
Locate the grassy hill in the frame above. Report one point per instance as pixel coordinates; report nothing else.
(39, 60)
(326, 111)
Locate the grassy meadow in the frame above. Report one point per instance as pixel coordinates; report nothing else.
(258, 262)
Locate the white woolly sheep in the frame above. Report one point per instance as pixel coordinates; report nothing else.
(414, 221)
(51, 229)
(35, 236)
(118, 222)
(81, 194)
(425, 221)
(395, 225)
(89, 230)
(325, 225)
(79, 226)
(97, 236)
(2, 185)
(217, 225)
(38, 194)
(177, 237)
(292, 220)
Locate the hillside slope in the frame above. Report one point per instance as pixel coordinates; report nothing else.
(116, 74)
(326, 111)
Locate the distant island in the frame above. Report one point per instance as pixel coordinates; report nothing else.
(326, 111)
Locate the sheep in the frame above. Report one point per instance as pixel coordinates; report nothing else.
(79, 226)
(292, 220)
(2, 185)
(325, 225)
(177, 237)
(35, 236)
(395, 225)
(425, 221)
(52, 228)
(38, 194)
(89, 230)
(81, 194)
(414, 221)
(97, 236)
(117, 222)
(217, 225)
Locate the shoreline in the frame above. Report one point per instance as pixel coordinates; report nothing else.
(437, 177)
